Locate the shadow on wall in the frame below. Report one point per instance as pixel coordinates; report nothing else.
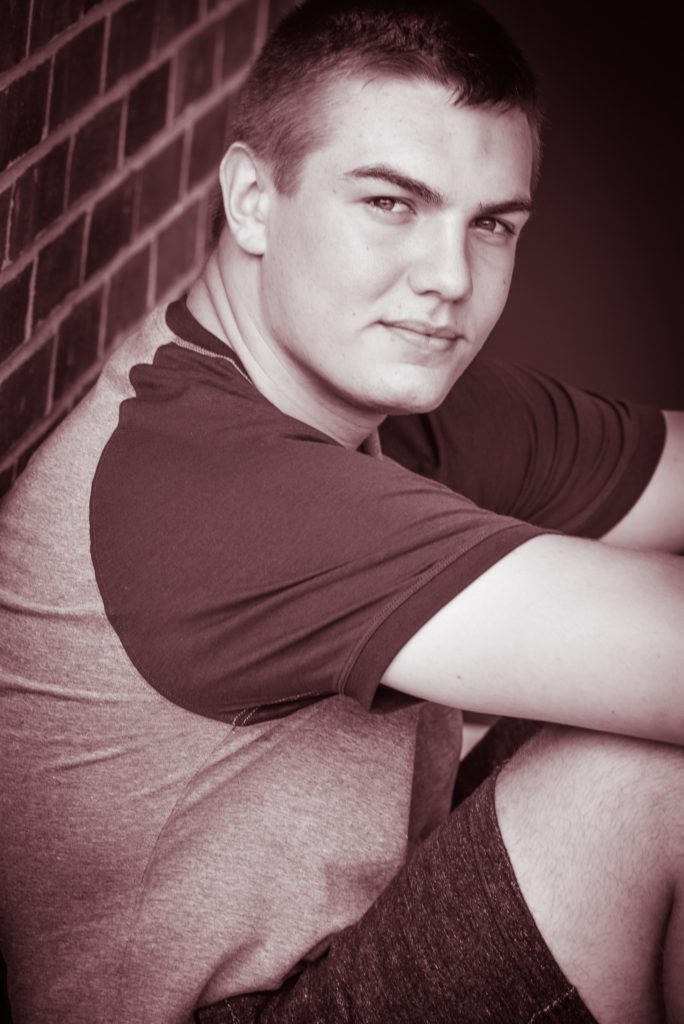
(597, 294)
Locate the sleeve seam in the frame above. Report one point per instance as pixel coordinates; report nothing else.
(423, 580)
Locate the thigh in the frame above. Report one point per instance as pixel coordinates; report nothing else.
(450, 939)
(593, 824)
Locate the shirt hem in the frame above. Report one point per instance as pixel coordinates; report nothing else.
(403, 618)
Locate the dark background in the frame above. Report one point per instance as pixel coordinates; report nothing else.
(598, 289)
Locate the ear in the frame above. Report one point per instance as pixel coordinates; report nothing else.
(245, 187)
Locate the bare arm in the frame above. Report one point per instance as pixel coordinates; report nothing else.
(656, 521)
(564, 630)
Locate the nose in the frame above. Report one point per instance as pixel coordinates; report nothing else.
(442, 264)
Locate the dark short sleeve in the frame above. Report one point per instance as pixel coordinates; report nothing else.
(245, 559)
(523, 444)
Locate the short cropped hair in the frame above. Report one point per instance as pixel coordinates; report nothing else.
(454, 43)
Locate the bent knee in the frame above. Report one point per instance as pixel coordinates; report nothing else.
(600, 776)
(592, 824)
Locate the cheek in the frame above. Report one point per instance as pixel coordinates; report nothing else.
(502, 290)
(290, 278)
(492, 290)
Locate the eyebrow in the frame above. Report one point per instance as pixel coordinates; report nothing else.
(430, 196)
(384, 173)
(514, 206)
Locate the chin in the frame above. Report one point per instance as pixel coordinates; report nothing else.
(423, 396)
(412, 403)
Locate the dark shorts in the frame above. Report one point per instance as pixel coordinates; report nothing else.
(450, 939)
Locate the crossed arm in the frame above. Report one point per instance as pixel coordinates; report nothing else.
(579, 632)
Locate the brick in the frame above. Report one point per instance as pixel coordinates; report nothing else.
(160, 183)
(14, 32)
(128, 294)
(59, 270)
(96, 151)
(22, 114)
(14, 298)
(130, 41)
(176, 249)
(173, 17)
(23, 397)
(147, 107)
(77, 343)
(111, 226)
(239, 31)
(38, 199)
(76, 78)
(195, 68)
(49, 19)
(4, 223)
(208, 142)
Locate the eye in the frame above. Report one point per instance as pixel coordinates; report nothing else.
(389, 205)
(494, 226)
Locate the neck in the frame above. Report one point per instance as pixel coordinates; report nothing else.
(224, 300)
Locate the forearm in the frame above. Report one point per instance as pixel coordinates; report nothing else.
(562, 630)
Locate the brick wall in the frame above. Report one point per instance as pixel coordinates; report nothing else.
(113, 118)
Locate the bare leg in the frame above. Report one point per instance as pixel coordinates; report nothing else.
(594, 827)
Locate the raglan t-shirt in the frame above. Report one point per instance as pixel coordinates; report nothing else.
(204, 778)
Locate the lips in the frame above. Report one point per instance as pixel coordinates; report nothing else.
(425, 329)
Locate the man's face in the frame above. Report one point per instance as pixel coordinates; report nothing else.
(385, 271)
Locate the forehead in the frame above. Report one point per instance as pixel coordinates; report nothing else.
(418, 127)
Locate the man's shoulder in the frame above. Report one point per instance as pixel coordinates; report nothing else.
(84, 431)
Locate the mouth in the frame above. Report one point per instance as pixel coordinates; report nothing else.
(437, 337)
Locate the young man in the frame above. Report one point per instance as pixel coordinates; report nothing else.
(238, 634)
